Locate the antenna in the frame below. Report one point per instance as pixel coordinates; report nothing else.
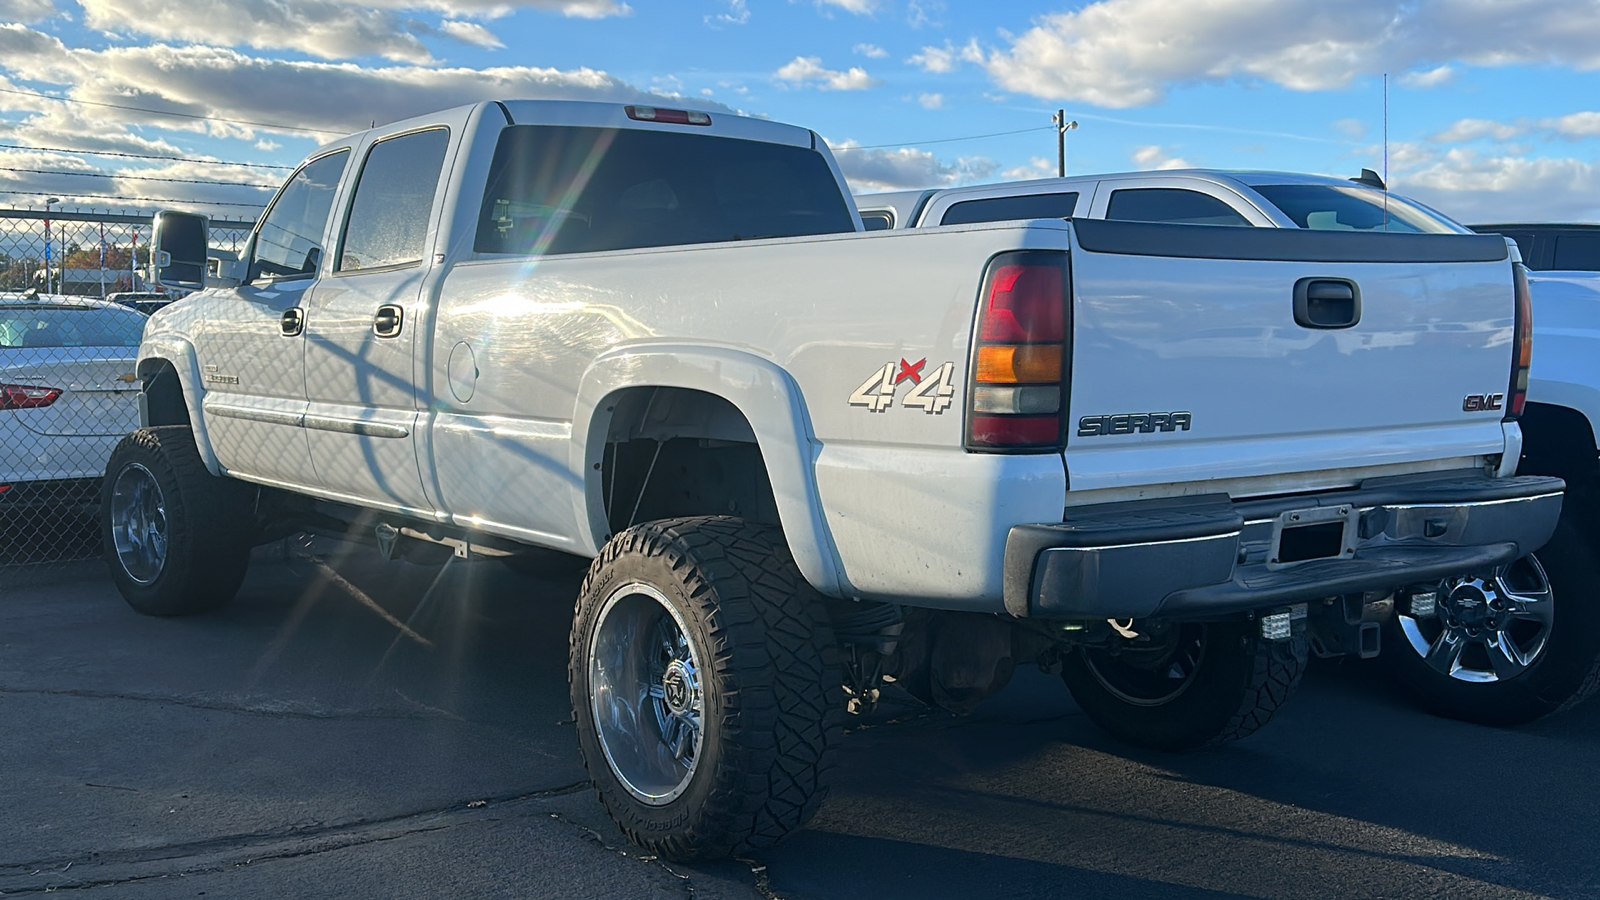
(1386, 151)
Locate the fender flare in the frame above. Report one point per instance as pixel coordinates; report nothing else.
(767, 397)
(179, 353)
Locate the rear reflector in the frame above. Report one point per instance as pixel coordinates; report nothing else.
(4, 488)
(1015, 431)
(27, 396)
(668, 116)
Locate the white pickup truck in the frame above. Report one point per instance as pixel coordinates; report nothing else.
(807, 459)
(1447, 654)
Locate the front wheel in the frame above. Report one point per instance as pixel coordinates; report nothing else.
(705, 687)
(176, 536)
(1184, 685)
(1506, 647)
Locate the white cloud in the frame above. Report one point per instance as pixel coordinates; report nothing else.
(1468, 130)
(1475, 187)
(1355, 129)
(931, 101)
(905, 168)
(858, 7)
(328, 29)
(472, 33)
(738, 14)
(26, 11)
(1430, 79)
(808, 70)
(870, 51)
(1154, 157)
(941, 60)
(1126, 53)
(1037, 167)
(1575, 126)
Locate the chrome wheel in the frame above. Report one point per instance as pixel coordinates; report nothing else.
(645, 693)
(1486, 629)
(139, 523)
(1153, 669)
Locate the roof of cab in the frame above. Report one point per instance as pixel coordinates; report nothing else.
(586, 113)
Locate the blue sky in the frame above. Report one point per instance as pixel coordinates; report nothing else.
(1492, 103)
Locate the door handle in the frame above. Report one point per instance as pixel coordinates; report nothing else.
(293, 322)
(1325, 303)
(388, 321)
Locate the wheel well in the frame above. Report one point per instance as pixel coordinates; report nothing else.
(163, 392)
(673, 452)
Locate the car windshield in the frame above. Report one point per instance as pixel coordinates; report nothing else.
(28, 327)
(1327, 207)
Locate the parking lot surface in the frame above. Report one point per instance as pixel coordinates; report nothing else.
(355, 728)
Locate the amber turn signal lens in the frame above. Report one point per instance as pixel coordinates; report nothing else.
(1025, 364)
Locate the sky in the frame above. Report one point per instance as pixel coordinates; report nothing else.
(1493, 106)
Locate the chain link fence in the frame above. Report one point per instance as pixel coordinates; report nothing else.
(73, 303)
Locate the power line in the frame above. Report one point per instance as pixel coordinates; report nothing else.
(209, 162)
(162, 112)
(970, 137)
(136, 177)
(147, 199)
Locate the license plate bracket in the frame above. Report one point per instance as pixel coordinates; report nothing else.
(1317, 533)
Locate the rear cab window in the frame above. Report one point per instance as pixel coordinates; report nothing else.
(1004, 209)
(1173, 206)
(575, 189)
(1576, 252)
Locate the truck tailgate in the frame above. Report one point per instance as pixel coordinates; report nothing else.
(1192, 363)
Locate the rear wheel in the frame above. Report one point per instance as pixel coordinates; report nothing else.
(1185, 685)
(176, 536)
(705, 687)
(1505, 647)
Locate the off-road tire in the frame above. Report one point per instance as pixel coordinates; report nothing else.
(1238, 686)
(207, 526)
(1565, 673)
(769, 678)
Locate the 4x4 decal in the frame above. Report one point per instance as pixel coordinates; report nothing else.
(932, 394)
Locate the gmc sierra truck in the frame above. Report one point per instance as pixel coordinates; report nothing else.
(806, 460)
(1448, 650)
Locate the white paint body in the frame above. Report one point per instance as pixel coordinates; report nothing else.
(501, 391)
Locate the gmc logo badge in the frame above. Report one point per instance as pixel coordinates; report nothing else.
(1482, 402)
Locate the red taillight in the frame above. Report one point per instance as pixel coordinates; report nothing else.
(668, 116)
(27, 396)
(1522, 342)
(4, 488)
(1017, 399)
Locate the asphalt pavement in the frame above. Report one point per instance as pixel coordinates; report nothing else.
(355, 728)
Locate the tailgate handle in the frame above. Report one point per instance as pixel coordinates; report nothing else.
(294, 320)
(1326, 303)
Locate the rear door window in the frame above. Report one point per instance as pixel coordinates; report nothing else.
(1005, 209)
(1174, 206)
(289, 242)
(1577, 252)
(388, 221)
(559, 189)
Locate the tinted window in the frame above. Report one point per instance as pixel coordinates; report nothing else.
(388, 220)
(1578, 252)
(1171, 205)
(290, 239)
(877, 221)
(577, 190)
(23, 328)
(1326, 207)
(1004, 209)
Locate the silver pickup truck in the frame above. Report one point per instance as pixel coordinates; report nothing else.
(806, 460)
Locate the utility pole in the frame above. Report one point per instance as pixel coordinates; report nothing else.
(1062, 127)
(49, 286)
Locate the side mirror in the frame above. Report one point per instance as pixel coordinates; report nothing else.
(178, 250)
